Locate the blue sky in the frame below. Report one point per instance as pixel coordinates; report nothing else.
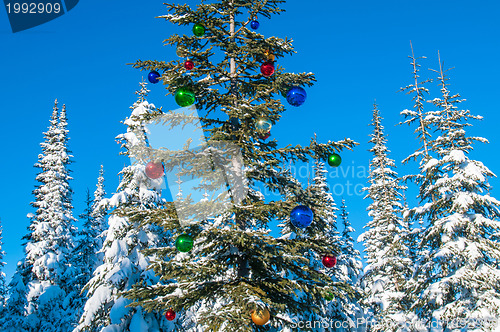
(357, 49)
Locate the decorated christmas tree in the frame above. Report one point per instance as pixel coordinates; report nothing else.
(225, 271)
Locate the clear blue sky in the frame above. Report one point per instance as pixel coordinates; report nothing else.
(357, 49)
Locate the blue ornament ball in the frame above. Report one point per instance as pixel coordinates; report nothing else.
(296, 96)
(301, 216)
(254, 24)
(154, 77)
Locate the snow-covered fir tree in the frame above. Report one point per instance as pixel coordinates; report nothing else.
(88, 255)
(457, 278)
(387, 256)
(418, 115)
(350, 268)
(123, 263)
(14, 317)
(40, 293)
(3, 284)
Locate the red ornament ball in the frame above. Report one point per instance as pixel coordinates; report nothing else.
(267, 69)
(154, 170)
(266, 135)
(170, 314)
(329, 261)
(189, 64)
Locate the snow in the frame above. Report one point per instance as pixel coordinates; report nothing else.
(473, 172)
(138, 323)
(98, 297)
(119, 311)
(430, 164)
(174, 17)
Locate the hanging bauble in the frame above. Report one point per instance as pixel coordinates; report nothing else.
(254, 24)
(328, 296)
(334, 160)
(154, 170)
(265, 136)
(234, 123)
(170, 314)
(185, 97)
(181, 51)
(184, 243)
(264, 125)
(198, 30)
(154, 77)
(301, 216)
(296, 96)
(189, 64)
(261, 317)
(329, 261)
(267, 68)
(269, 56)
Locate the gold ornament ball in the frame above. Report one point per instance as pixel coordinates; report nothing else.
(261, 317)
(269, 56)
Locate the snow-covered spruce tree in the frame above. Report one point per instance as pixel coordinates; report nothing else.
(3, 285)
(350, 268)
(458, 279)
(387, 256)
(14, 317)
(124, 264)
(39, 288)
(87, 253)
(236, 266)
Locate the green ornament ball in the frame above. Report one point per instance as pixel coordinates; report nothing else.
(184, 243)
(328, 296)
(334, 160)
(185, 97)
(198, 30)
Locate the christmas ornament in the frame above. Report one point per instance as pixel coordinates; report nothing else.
(198, 30)
(334, 160)
(301, 216)
(189, 64)
(267, 69)
(235, 123)
(184, 243)
(154, 77)
(328, 296)
(264, 125)
(261, 317)
(265, 136)
(329, 261)
(269, 56)
(254, 24)
(154, 170)
(296, 96)
(181, 51)
(185, 97)
(170, 314)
